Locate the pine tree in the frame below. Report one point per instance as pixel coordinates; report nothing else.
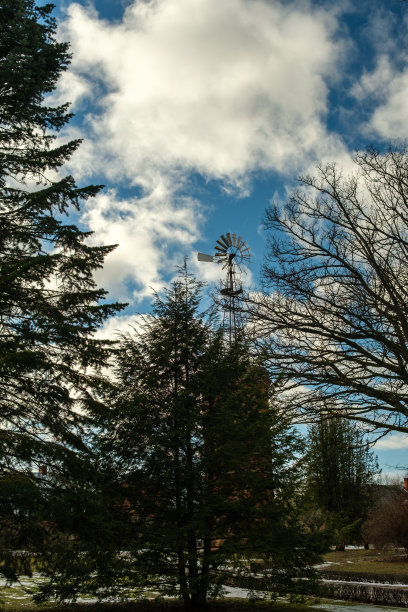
(49, 302)
(200, 462)
(340, 470)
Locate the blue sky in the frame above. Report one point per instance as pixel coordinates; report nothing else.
(196, 114)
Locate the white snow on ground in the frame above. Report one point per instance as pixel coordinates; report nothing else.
(31, 583)
(391, 585)
(344, 607)
(242, 593)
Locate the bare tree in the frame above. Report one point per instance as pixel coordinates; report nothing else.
(333, 315)
(388, 521)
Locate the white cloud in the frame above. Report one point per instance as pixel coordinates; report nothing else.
(209, 272)
(146, 230)
(390, 120)
(221, 88)
(186, 86)
(376, 83)
(120, 324)
(393, 441)
(72, 88)
(387, 86)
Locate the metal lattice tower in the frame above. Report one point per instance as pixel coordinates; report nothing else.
(234, 255)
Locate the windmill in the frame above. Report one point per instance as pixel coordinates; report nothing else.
(233, 254)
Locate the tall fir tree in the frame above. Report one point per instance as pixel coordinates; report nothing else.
(202, 477)
(339, 474)
(50, 304)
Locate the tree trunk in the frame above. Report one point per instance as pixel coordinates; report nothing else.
(182, 577)
(205, 571)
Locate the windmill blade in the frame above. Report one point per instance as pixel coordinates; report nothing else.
(234, 239)
(224, 240)
(239, 241)
(204, 257)
(244, 247)
(229, 239)
(222, 247)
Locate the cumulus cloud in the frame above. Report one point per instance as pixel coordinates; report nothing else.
(386, 87)
(375, 84)
(146, 230)
(178, 87)
(393, 441)
(72, 88)
(221, 88)
(390, 119)
(120, 324)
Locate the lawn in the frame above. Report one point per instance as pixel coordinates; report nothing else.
(381, 562)
(225, 605)
(18, 598)
(391, 561)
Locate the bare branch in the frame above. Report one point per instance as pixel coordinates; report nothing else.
(334, 319)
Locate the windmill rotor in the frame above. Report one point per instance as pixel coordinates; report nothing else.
(233, 254)
(232, 250)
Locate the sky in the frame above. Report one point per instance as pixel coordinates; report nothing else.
(196, 114)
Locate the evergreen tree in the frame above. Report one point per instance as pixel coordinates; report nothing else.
(201, 464)
(49, 305)
(340, 469)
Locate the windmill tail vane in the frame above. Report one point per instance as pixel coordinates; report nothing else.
(233, 253)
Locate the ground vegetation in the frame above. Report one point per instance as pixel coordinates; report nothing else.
(230, 605)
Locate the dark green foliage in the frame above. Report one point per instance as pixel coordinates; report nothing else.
(340, 470)
(199, 464)
(30, 63)
(49, 302)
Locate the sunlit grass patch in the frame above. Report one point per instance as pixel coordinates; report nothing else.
(386, 561)
(162, 605)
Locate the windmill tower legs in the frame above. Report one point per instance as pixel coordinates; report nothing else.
(233, 254)
(231, 292)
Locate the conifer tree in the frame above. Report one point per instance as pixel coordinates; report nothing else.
(49, 302)
(339, 474)
(201, 463)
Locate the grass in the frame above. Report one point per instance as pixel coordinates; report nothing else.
(390, 561)
(224, 605)
(18, 598)
(393, 562)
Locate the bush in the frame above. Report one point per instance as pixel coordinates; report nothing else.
(388, 522)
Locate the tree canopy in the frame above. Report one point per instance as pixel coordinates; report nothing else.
(50, 305)
(333, 317)
(387, 522)
(201, 463)
(340, 468)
